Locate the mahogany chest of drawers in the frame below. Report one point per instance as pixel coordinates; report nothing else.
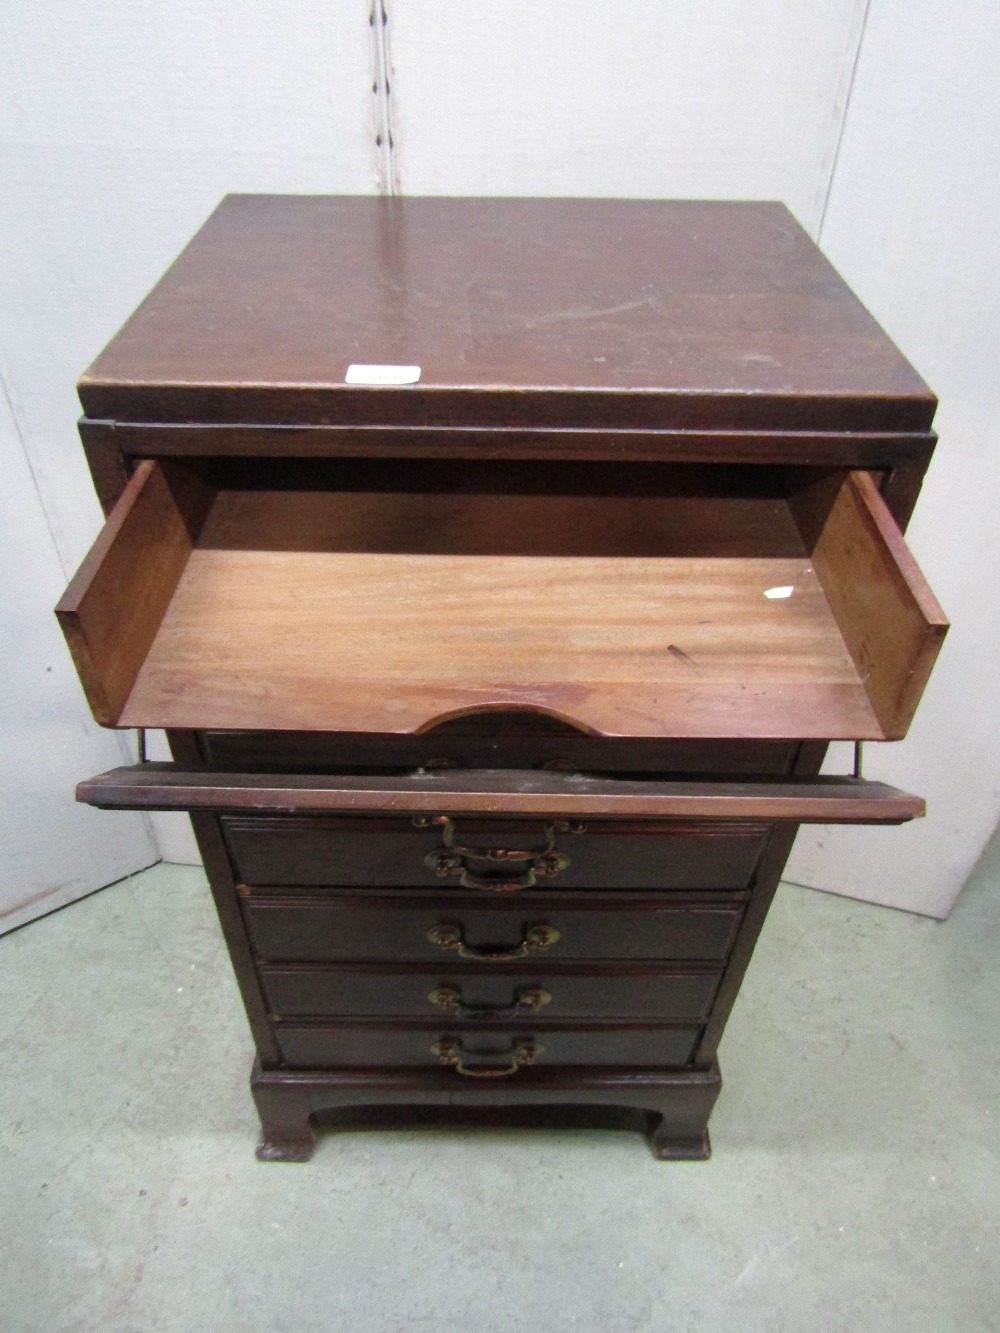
(499, 570)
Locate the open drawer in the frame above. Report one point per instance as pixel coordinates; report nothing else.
(718, 602)
(512, 793)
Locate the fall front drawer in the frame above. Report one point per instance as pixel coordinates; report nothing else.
(314, 851)
(707, 603)
(487, 996)
(478, 1053)
(379, 927)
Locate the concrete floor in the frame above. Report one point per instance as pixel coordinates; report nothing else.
(855, 1182)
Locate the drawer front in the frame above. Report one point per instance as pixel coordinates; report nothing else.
(457, 928)
(486, 996)
(490, 1056)
(317, 851)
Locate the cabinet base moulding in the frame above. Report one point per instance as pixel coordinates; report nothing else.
(671, 1108)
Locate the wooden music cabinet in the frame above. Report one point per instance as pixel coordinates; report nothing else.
(497, 696)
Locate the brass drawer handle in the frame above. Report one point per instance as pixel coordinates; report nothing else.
(536, 940)
(450, 1054)
(516, 868)
(450, 998)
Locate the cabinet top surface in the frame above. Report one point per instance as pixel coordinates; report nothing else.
(575, 312)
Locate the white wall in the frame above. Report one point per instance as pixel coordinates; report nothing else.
(52, 850)
(876, 123)
(122, 123)
(875, 120)
(723, 98)
(914, 225)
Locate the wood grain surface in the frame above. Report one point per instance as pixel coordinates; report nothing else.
(892, 623)
(670, 646)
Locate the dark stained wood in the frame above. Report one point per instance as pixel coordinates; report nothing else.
(599, 313)
(351, 1044)
(114, 447)
(387, 990)
(768, 876)
(901, 484)
(492, 740)
(110, 466)
(336, 925)
(867, 449)
(671, 1107)
(186, 748)
(623, 853)
(285, 1111)
(220, 879)
(819, 800)
(769, 869)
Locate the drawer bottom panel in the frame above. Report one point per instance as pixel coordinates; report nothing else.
(486, 1053)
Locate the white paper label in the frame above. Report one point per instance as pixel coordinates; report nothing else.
(784, 591)
(382, 375)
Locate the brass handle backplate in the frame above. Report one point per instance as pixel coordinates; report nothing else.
(450, 1054)
(536, 940)
(507, 869)
(532, 998)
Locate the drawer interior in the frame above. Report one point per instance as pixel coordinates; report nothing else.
(670, 602)
(492, 740)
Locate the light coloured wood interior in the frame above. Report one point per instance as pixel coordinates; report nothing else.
(891, 621)
(622, 646)
(623, 615)
(279, 620)
(112, 609)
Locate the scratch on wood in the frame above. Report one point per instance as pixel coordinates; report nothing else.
(680, 654)
(588, 312)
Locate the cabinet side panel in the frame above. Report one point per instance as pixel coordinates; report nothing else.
(809, 760)
(220, 878)
(769, 873)
(109, 469)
